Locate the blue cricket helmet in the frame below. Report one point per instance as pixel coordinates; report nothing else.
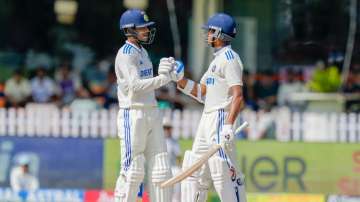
(224, 24)
(134, 18)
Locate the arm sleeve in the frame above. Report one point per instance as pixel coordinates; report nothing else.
(131, 75)
(233, 72)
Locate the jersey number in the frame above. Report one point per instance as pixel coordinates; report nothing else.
(210, 81)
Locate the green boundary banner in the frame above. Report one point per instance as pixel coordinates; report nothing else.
(301, 167)
(270, 166)
(285, 198)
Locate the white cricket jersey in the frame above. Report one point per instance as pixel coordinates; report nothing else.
(224, 72)
(134, 72)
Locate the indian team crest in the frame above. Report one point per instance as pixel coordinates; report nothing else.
(146, 18)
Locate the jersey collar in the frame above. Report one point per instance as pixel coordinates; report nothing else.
(134, 46)
(221, 50)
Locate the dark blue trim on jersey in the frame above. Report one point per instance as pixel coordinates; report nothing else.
(133, 46)
(127, 49)
(229, 55)
(127, 140)
(232, 56)
(221, 122)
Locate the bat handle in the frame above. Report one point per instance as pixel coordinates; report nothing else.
(242, 127)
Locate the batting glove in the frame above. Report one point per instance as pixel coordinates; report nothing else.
(165, 66)
(178, 72)
(227, 134)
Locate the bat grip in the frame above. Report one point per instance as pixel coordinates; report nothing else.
(242, 127)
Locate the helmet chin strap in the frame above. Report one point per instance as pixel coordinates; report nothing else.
(133, 33)
(150, 37)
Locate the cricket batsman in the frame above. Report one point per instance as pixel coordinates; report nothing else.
(143, 146)
(220, 89)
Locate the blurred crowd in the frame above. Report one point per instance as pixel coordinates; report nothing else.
(268, 89)
(95, 87)
(90, 89)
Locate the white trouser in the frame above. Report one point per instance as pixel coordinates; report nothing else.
(177, 190)
(223, 168)
(142, 140)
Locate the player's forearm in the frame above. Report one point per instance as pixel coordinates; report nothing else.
(182, 85)
(234, 109)
(194, 90)
(146, 85)
(236, 105)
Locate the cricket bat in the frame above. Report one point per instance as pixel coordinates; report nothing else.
(201, 161)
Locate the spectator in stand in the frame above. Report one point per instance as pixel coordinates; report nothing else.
(111, 90)
(164, 98)
(68, 84)
(43, 88)
(266, 90)
(168, 97)
(2, 95)
(248, 89)
(265, 127)
(83, 102)
(17, 90)
(95, 79)
(292, 84)
(352, 86)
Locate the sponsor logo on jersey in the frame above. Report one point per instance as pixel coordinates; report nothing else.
(145, 72)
